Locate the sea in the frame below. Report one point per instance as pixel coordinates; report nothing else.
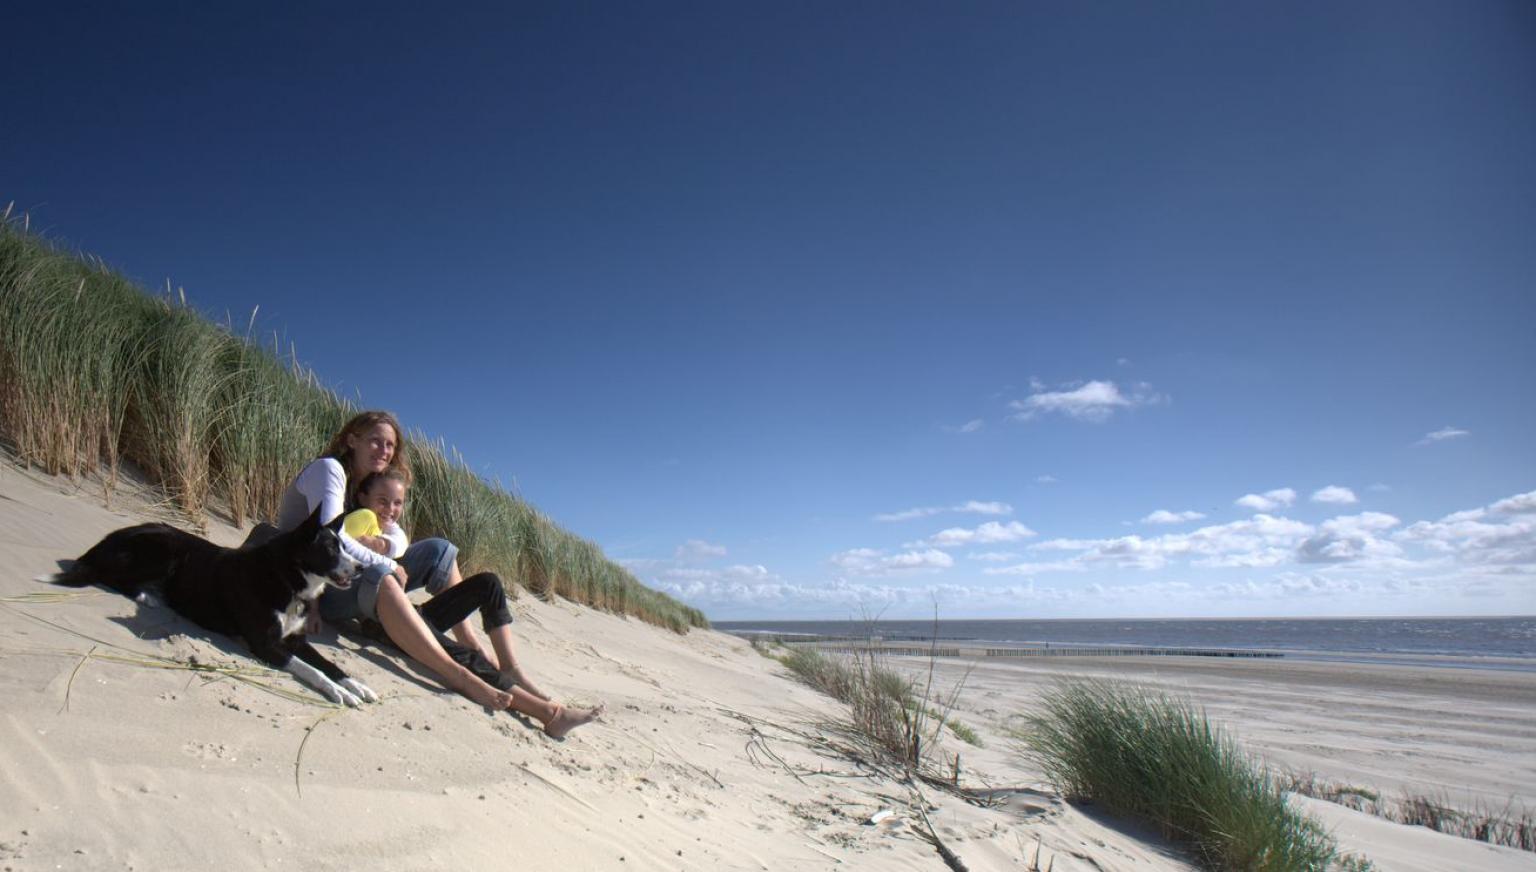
(1489, 642)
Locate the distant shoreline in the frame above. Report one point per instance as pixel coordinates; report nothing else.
(1502, 643)
(1125, 619)
(972, 649)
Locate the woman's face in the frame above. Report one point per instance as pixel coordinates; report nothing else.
(372, 449)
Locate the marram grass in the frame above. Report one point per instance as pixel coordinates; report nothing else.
(95, 371)
(1144, 755)
(888, 709)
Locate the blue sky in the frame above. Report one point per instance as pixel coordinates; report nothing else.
(808, 312)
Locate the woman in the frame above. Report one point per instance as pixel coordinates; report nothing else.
(369, 443)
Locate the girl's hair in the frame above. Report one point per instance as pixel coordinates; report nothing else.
(374, 478)
(359, 423)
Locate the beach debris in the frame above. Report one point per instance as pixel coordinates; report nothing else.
(883, 815)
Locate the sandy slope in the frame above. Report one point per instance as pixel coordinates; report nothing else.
(701, 762)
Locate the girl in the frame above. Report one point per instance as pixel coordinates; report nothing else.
(376, 523)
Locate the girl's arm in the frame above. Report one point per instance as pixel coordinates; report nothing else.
(396, 538)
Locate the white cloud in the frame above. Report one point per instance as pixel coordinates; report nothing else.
(984, 508)
(989, 533)
(1335, 494)
(852, 596)
(1502, 534)
(1520, 504)
(869, 561)
(971, 426)
(1095, 401)
(1321, 586)
(1443, 434)
(994, 556)
(1037, 568)
(1046, 479)
(1163, 516)
(1262, 540)
(755, 572)
(1123, 551)
(1476, 559)
(698, 549)
(1365, 522)
(972, 507)
(1350, 538)
(1268, 501)
(1290, 586)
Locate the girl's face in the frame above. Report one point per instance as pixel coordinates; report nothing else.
(387, 500)
(372, 449)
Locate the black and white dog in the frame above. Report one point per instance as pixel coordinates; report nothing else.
(261, 593)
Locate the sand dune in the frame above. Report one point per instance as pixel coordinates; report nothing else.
(702, 762)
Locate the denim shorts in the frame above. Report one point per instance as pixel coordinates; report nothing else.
(428, 563)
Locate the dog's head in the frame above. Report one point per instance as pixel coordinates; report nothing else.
(318, 552)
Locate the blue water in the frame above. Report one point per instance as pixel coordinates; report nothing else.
(1454, 637)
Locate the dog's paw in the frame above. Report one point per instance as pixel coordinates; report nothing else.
(317, 679)
(338, 694)
(359, 689)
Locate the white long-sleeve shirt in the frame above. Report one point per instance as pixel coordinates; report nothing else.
(396, 538)
(323, 483)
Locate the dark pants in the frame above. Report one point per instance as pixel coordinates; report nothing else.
(444, 611)
(481, 591)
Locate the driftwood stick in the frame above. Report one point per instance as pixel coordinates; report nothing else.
(951, 859)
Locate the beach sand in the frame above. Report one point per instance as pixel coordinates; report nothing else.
(1467, 736)
(706, 758)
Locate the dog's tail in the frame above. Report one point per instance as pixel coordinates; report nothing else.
(126, 561)
(77, 574)
(130, 581)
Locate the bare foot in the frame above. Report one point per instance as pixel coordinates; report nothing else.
(520, 678)
(568, 718)
(488, 696)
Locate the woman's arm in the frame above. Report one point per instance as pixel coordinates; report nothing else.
(323, 483)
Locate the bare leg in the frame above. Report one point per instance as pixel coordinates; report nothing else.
(557, 719)
(406, 629)
(506, 661)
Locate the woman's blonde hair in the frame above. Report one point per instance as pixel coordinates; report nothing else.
(362, 421)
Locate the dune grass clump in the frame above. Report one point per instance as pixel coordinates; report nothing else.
(1144, 755)
(95, 372)
(1509, 826)
(1513, 825)
(69, 352)
(965, 733)
(766, 646)
(887, 709)
(828, 675)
